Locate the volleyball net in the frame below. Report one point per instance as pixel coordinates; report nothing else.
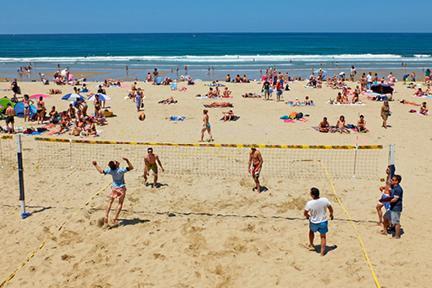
(289, 161)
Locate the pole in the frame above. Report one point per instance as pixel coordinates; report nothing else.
(355, 159)
(70, 153)
(391, 160)
(24, 214)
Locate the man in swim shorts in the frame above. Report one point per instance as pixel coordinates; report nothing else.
(151, 162)
(255, 166)
(118, 188)
(316, 212)
(10, 118)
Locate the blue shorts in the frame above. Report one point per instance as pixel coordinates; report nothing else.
(322, 227)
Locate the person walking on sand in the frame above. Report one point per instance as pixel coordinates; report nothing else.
(254, 167)
(206, 127)
(385, 113)
(118, 188)
(151, 162)
(316, 212)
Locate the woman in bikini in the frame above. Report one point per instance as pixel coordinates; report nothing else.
(41, 110)
(206, 127)
(341, 125)
(385, 113)
(27, 102)
(226, 93)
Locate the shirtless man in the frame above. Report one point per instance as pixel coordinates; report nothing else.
(206, 127)
(151, 162)
(10, 118)
(255, 166)
(324, 126)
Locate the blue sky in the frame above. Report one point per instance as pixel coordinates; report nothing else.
(148, 16)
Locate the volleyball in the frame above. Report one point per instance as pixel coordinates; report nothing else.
(141, 116)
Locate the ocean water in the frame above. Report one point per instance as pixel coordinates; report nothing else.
(212, 55)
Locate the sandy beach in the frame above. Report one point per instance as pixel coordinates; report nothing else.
(213, 231)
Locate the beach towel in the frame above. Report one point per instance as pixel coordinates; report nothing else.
(300, 104)
(423, 97)
(234, 118)
(349, 104)
(214, 85)
(177, 118)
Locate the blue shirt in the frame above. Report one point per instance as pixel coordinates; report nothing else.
(117, 176)
(397, 191)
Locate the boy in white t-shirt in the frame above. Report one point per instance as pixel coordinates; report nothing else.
(316, 212)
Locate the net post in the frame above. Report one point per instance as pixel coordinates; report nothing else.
(24, 214)
(70, 153)
(391, 159)
(355, 159)
(1, 154)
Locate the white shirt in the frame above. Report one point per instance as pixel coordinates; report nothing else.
(369, 78)
(317, 210)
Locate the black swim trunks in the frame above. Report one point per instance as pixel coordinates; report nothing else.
(10, 120)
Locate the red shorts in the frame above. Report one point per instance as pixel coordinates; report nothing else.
(118, 193)
(256, 171)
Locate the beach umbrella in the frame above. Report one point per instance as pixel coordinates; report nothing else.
(102, 97)
(72, 97)
(37, 96)
(19, 110)
(382, 88)
(4, 102)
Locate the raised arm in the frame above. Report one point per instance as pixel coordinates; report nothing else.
(130, 167)
(98, 168)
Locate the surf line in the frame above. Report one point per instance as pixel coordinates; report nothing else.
(42, 245)
(357, 233)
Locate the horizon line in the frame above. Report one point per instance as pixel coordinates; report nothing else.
(161, 33)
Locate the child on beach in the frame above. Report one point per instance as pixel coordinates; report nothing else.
(118, 190)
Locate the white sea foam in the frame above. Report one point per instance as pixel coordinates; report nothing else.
(225, 58)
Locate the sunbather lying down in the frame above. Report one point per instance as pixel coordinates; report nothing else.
(409, 103)
(169, 100)
(251, 95)
(229, 116)
(219, 105)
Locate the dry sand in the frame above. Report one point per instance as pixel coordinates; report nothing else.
(219, 233)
